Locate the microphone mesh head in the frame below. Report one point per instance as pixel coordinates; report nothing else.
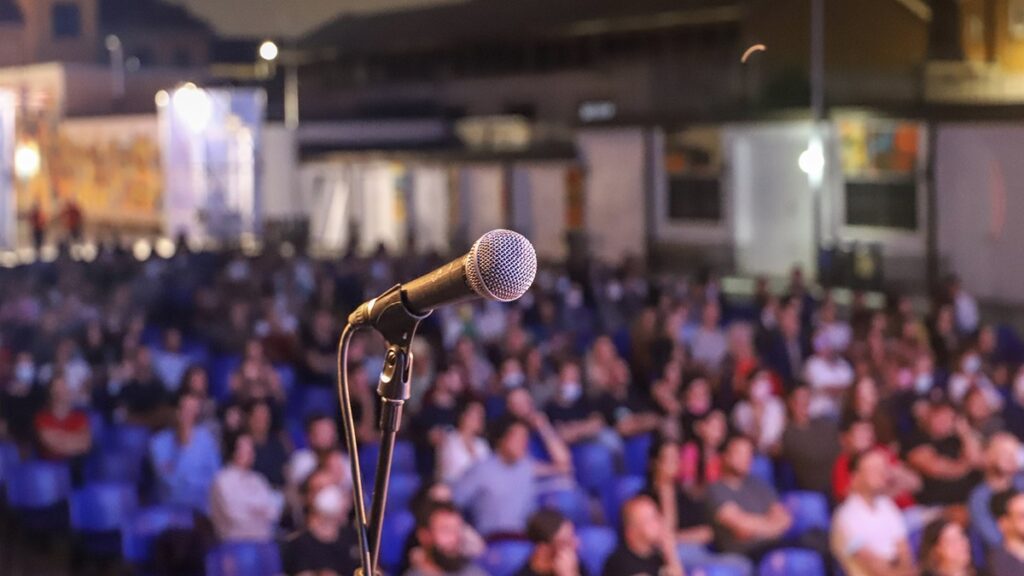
(501, 265)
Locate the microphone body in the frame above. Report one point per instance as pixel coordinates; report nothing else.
(500, 266)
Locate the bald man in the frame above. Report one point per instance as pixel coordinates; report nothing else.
(646, 548)
(1002, 472)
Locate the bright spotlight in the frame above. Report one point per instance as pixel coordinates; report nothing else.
(162, 98)
(165, 248)
(27, 161)
(812, 160)
(193, 105)
(268, 51)
(48, 253)
(142, 250)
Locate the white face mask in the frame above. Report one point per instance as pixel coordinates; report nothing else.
(972, 364)
(329, 502)
(923, 383)
(571, 391)
(513, 380)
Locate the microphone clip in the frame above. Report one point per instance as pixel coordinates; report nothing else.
(389, 315)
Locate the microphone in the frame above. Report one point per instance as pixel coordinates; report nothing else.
(500, 266)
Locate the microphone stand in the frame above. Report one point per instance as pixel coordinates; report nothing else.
(398, 327)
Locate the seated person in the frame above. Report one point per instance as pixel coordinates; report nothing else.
(646, 547)
(62, 431)
(142, 394)
(858, 436)
(746, 513)
(243, 506)
(439, 532)
(169, 362)
(1007, 559)
(463, 446)
(185, 459)
(809, 445)
(869, 536)
(555, 546)
(761, 416)
(324, 546)
(700, 459)
(684, 515)
(1002, 472)
(322, 440)
(573, 415)
(947, 455)
(945, 550)
(501, 491)
(271, 448)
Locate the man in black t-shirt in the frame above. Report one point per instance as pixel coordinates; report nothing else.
(555, 546)
(947, 455)
(1008, 509)
(647, 548)
(324, 546)
(573, 415)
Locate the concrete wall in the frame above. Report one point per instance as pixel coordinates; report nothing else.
(980, 193)
(615, 163)
(283, 197)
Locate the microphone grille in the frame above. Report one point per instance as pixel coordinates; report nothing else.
(501, 265)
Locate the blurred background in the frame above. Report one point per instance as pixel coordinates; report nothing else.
(209, 186)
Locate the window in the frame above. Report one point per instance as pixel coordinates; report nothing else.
(67, 20)
(693, 166)
(882, 204)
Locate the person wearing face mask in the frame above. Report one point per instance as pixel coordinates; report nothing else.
(322, 437)
(439, 529)
(762, 416)
(324, 547)
(511, 374)
(573, 415)
(970, 375)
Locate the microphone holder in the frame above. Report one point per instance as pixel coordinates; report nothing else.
(397, 324)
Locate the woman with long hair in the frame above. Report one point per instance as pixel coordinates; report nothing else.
(945, 550)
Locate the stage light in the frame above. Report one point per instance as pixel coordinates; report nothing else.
(165, 248)
(812, 160)
(88, 252)
(269, 51)
(162, 98)
(27, 161)
(142, 250)
(193, 105)
(48, 253)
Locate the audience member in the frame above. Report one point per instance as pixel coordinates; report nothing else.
(708, 344)
(555, 546)
(946, 455)
(573, 415)
(324, 545)
(463, 446)
(1007, 508)
(185, 458)
(322, 440)
(439, 531)
(945, 550)
(746, 514)
(685, 516)
(62, 431)
(761, 416)
(1002, 472)
(243, 506)
(809, 445)
(500, 492)
(869, 536)
(700, 462)
(829, 375)
(271, 450)
(646, 547)
(858, 437)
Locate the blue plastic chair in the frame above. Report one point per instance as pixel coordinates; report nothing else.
(809, 511)
(146, 525)
(287, 376)
(395, 530)
(713, 568)
(403, 459)
(113, 466)
(127, 439)
(368, 453)
(594, 466)
(505, 558)
(219, 373)
(572, 503)
(99, 513)
(596, 544)
(625, 488)
(244, 559)
(37, 484)
(792, 562)
(319, 401)
(8, 459)
(763, 469)
(635, 449)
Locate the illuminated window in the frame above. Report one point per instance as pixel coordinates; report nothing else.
(693, 166)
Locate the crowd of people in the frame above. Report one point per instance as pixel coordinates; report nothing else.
(906, 421)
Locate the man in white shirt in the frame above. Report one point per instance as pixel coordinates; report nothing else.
(869, 536)
(829, 375)
(243, 506)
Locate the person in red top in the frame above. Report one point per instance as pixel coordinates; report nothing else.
(73, 220)
(858, 436)
(62, 431)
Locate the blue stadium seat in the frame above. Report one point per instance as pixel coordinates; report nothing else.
(594, 466)
(505, 558)
(596, 544)
(102, 507)
(401, 490)
(127, 439)
(809, 511)
(146, 525)
(714, 568)
(792, 562)
(296, 432)
(244, 559)
(572, 503)
(635, 449)
(113, 466)
(397, 526)
(219, 372)
(403, 459)
(286, 374)
(319, 401)
(368, 462)
(625, 488)
(763, 469)
(37, 484)
(8, 459)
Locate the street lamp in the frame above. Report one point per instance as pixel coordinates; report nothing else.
(268, 51)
